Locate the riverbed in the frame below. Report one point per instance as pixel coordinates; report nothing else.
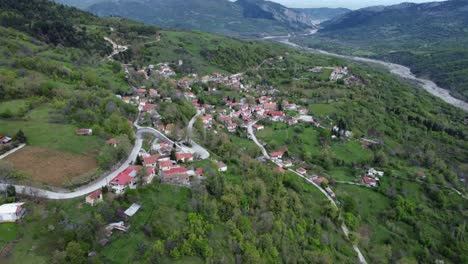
(396, 69)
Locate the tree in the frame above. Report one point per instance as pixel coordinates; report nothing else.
(11, 191)
(75, 255)
(20, 137)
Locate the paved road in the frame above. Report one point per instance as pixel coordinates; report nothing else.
(81, 191)
(27, 190)
(344, 228)
(116, 48)
(204, 154)
(254, 138)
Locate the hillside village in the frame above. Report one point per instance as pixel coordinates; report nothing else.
(170, 163)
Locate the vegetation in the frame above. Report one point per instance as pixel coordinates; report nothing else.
(249, 214)
(430, 39)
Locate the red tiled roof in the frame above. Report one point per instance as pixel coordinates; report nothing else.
(94, 195)
(199, 171)
(112, 141)
(151, 159)
(149, 107)
(280, 169)
(368, 180)
(179, 170)
(165, 163)
(126, 176)
(184, 156)
(320, 180)
(276, 154)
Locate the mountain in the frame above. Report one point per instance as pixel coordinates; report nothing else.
(241, 18)
(319, 15)
(56, 76)
(430, 38)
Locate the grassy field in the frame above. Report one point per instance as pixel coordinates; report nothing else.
(41, 133)
(54, 155)
(13, 107)
(351, 151)
(8, 231)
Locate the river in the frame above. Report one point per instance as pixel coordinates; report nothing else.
(399, 70)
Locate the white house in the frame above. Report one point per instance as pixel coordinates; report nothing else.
(222, 167)
(11, 212)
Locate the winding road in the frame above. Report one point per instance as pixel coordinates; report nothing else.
(344, 228)
(396, 69)
(103, 181)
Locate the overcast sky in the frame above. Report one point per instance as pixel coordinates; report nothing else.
(353, 4)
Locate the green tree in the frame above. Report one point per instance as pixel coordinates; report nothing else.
(75, 255)
(20, 137)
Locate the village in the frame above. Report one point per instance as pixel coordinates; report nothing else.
(171, 163)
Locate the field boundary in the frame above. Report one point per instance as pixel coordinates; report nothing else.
(8, 153)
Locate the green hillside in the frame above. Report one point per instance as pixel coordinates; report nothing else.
(250, 213)
(430, 38)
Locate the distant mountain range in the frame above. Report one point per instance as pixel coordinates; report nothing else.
(431, 38)
(318, 15)
(243, 18)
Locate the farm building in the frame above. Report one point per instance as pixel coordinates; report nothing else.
(94, 197)
(11, 212)
(84, 132)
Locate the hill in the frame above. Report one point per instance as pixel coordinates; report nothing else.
(242, 18)
(431, 38)
(252, 212)
(319, 15)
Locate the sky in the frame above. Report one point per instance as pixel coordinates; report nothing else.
(352, 4)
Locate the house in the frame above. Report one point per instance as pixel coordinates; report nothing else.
(151, 161)
(125, 179)
(199, 172)
(280, 169)
(302, 171)
(141, 92)
(222, 167)
(150, 173)
(371, 182)
(153, 93)
(112, 142)
(149, 108)
(277, 155)
(184, 157)
(287, 164)
(84, 132)
(177, 175)
(166, 165)
(11, 212)
(270, 106)
(303, 111)
(373, 173)
(258, 127)
(94, 197)
(321, 180)
(231, 127)
(276, 115)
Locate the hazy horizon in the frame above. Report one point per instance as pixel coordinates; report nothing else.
(352, 4)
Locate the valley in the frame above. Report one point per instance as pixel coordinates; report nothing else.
(140, 144)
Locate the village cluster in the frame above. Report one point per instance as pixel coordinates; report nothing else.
(170, 162)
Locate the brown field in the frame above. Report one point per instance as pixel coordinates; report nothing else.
(50, 166)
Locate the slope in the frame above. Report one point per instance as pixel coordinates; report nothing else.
(430, 38)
